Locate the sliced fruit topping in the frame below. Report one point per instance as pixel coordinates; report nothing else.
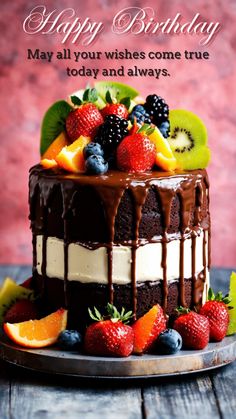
(232, 313)
(147, 329)
(37, 333)
(70, 340)
(56, 146)
(116, 89)
(157, 108)
(168, 342)
(136, 153)
(10, 292)
(71, 157)
(217, 312)
(193, 328)
(83, 121)
(21, 311)
(164, 155)
(188, 140)
(111, 133)
(111, 337)
(54, 123)
(48, 164)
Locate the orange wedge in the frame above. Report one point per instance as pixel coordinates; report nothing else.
(48, 164)
(168, 164)
(56, 146)
(37, 333)
(165, 157)
(71, 157)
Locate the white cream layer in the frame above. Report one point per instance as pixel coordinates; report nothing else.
(89, 266)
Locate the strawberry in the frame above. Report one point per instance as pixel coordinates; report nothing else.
(83, 121)
(20, 311)
(110, 337)
(193, 328)
(118, 109)
(147, 329)
(217, 312)
(136, 153)
(28, 283)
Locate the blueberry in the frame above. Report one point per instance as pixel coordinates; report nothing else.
(169, 342)
(140, 114)
(96, 165)
(93, 149)
(69, 340)
(165, 129)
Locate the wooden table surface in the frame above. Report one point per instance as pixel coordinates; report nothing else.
(31, 395)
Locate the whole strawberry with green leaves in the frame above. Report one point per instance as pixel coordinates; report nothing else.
(116, 107)
(86, 118)
(216, 310)
(109, 336)
(193, 328)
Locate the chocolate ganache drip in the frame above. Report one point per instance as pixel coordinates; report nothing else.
(122, 209)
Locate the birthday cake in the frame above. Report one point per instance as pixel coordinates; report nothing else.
(119, 205)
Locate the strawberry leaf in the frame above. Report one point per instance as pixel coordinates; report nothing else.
(126, 101)
(108, 97)
(76, 101)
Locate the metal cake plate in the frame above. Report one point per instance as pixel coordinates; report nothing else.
(54, 361)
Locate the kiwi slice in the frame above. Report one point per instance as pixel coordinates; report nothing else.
(116, 89)
(188, 140)
(53, 123)
(9, 293)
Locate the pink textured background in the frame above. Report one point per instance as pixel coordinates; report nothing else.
(29, 87)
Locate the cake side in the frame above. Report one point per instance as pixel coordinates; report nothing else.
(153, 233)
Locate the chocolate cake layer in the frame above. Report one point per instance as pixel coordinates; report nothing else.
(122, 209)
(81, 296)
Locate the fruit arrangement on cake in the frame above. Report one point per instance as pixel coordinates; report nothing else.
(119, 211)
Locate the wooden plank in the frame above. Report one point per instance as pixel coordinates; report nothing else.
(48, 399)
(224, 388)
(4, 391)
(185, 397)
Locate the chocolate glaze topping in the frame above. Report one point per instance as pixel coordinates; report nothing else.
(121, 208)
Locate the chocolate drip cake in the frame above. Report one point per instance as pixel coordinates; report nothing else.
(119, 207)
(131, 239)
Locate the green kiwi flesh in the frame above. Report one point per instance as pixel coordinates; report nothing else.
(188, 140)
(10, 292)
(116, 89)
(53, 124)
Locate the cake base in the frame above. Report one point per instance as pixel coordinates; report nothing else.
(79, 294)
(54, 361)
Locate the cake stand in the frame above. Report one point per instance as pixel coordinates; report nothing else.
(54, 361)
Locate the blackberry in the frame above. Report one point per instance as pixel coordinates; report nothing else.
(157, 109)
(141, 115)
(110, 134)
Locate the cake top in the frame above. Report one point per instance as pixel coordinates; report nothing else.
(109, 127)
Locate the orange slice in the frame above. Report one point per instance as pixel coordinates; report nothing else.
(48, 163)
(71, 157)
(165, 157)
(56, 146)
(168, 164)
(37, 333)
